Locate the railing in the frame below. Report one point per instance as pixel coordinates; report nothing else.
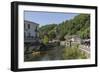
(31, 39)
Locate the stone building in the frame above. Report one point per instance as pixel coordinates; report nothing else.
(71, 40)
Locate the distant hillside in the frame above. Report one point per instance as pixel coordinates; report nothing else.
(79, 25)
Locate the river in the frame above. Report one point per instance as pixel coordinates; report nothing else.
(54, 53)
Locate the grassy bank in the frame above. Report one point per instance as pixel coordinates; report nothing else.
(74, 53)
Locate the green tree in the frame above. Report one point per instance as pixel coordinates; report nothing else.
(45, 40)
(51, 34)
(79, 25)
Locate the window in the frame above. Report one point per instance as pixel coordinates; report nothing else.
(36, 29)
(29, 34)
(28, 26)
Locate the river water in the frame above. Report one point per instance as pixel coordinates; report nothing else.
(54, 53)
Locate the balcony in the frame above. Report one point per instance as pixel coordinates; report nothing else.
(31, 39)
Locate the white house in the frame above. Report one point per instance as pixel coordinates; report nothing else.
(30, 31)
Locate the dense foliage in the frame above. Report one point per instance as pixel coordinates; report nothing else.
(74, 53)
(79, 25)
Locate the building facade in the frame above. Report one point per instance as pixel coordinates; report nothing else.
(30, 31)
(71, 40)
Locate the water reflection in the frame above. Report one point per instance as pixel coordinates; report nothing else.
(54, 53)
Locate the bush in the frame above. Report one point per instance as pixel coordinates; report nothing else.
(74, 53)
(45, 40)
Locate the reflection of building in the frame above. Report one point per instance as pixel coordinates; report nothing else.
(30, 31)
